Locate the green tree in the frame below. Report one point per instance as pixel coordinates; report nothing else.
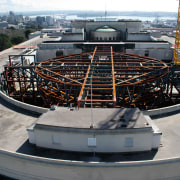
(27, 32)
(12, 28)
(17, 39)
(4, 42)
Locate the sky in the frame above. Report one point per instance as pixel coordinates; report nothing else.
(109, 5)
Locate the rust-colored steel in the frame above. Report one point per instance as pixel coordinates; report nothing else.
(118, 80)
(114, 86)
(85, 79)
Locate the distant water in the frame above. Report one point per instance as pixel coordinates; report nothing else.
(124, 17)
(142, 18)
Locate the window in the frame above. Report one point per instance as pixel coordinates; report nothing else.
(92, 142)
(146, 53)
(56, 139)
(128, 142)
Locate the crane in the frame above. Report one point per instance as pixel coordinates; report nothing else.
(176, 58)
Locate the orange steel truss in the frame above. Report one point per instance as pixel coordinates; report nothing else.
(118, 79)
(176, 58)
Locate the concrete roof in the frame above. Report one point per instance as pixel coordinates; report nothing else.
(14, 137)
(110, 118)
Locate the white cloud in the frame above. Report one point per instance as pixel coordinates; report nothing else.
(3, 2)
(117, 5)
(142, 5)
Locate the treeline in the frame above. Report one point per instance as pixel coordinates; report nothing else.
(11, 36)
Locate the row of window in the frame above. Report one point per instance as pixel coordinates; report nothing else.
(106, 38)
(129, 142)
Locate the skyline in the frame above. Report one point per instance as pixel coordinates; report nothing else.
(113, 5)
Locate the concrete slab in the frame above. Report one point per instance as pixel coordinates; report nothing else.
(101, 118)
(13, 124)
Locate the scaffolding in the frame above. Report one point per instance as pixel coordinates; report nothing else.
(102, 78)
(176, 58)
(116, 79)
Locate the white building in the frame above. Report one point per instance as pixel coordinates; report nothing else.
(107, 130)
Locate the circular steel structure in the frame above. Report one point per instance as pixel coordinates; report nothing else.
(103, 78)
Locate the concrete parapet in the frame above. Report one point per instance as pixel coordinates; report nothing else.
(162, 111)
(27, 167)
(28, 107)
(40, 110)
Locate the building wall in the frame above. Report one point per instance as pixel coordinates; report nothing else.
(71, 51)
(105, 142)
(156, 50)
(132, 26)
(139, 37)
(54, 45)
(105, 36)
(50, 53)
(161, 54)
(73, 37)
(123, 26)
(45, 54)
(3, 25)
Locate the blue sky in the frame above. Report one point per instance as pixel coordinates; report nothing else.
(116, 5)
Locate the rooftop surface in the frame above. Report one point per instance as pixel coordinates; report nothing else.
(111, 118)
(14, 137)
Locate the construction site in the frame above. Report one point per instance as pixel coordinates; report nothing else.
(101, 103)
(102, 78)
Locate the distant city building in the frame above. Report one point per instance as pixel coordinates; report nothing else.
(40, 20)
(3, 25)
(26, 19)
(11, 18)
(49, 20)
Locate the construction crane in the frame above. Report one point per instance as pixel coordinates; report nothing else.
(176, 58)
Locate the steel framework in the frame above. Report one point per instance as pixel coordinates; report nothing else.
(101, 78)
(118, 79)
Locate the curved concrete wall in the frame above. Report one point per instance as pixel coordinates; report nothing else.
(40, 110)
(28, 167)
(22, 105)
(162, 111)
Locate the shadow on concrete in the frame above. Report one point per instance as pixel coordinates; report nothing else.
(17, 109)
(30, 149)
(164, 115)
(6, 178)
(120, 117)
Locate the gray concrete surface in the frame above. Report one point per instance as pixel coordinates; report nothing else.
(167, 38)
(13, 124)
(101, 118)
